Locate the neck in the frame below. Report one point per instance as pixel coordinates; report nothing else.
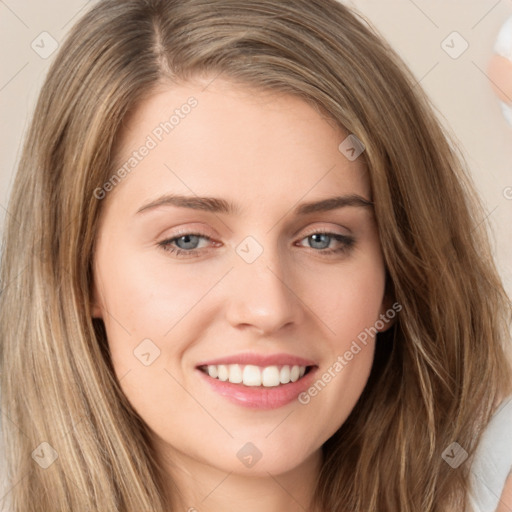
(199, 487)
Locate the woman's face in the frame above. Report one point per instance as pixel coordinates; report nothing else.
(238, 244)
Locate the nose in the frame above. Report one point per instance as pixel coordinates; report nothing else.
(262, 296)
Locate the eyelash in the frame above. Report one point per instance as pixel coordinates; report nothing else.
(346, 241)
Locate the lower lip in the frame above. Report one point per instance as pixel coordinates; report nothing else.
(260, 397)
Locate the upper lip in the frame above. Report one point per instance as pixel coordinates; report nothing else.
(260, 360)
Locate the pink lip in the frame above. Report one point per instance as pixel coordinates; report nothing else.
(260, 397)
(260, 360)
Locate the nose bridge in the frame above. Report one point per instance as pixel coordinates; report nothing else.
(261, 291)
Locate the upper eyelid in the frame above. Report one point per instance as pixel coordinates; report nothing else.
(211, 239)
(312, 230)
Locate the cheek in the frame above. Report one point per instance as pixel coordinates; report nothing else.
(346, 366)
(155, 312)
(145, 299)
(147, 311)
(347, 299)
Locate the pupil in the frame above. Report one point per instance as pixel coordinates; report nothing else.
(317, 240)
(188, 239)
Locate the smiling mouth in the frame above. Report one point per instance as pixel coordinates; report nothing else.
(256, 376)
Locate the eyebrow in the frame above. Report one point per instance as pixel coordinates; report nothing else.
(218, 205)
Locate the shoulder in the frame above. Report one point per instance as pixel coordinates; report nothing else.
(492, 463)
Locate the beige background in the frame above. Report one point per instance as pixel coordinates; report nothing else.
(458, 87)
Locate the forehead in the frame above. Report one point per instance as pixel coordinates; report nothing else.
(235, 142)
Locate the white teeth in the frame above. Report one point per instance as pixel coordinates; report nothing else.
(284, 375)
(235, 374)
(254, 376)
(270, 376)
(223, 372)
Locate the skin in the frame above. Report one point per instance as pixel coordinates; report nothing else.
(266, 153)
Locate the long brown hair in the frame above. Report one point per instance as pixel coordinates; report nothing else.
(438, 373)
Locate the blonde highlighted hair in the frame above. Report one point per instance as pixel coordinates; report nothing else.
(438, 374)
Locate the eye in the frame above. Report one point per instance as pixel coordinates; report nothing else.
(322, 242)
(186, 244)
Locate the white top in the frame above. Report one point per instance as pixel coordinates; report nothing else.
(493, 460)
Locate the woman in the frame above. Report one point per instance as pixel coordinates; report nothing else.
(256, 277)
